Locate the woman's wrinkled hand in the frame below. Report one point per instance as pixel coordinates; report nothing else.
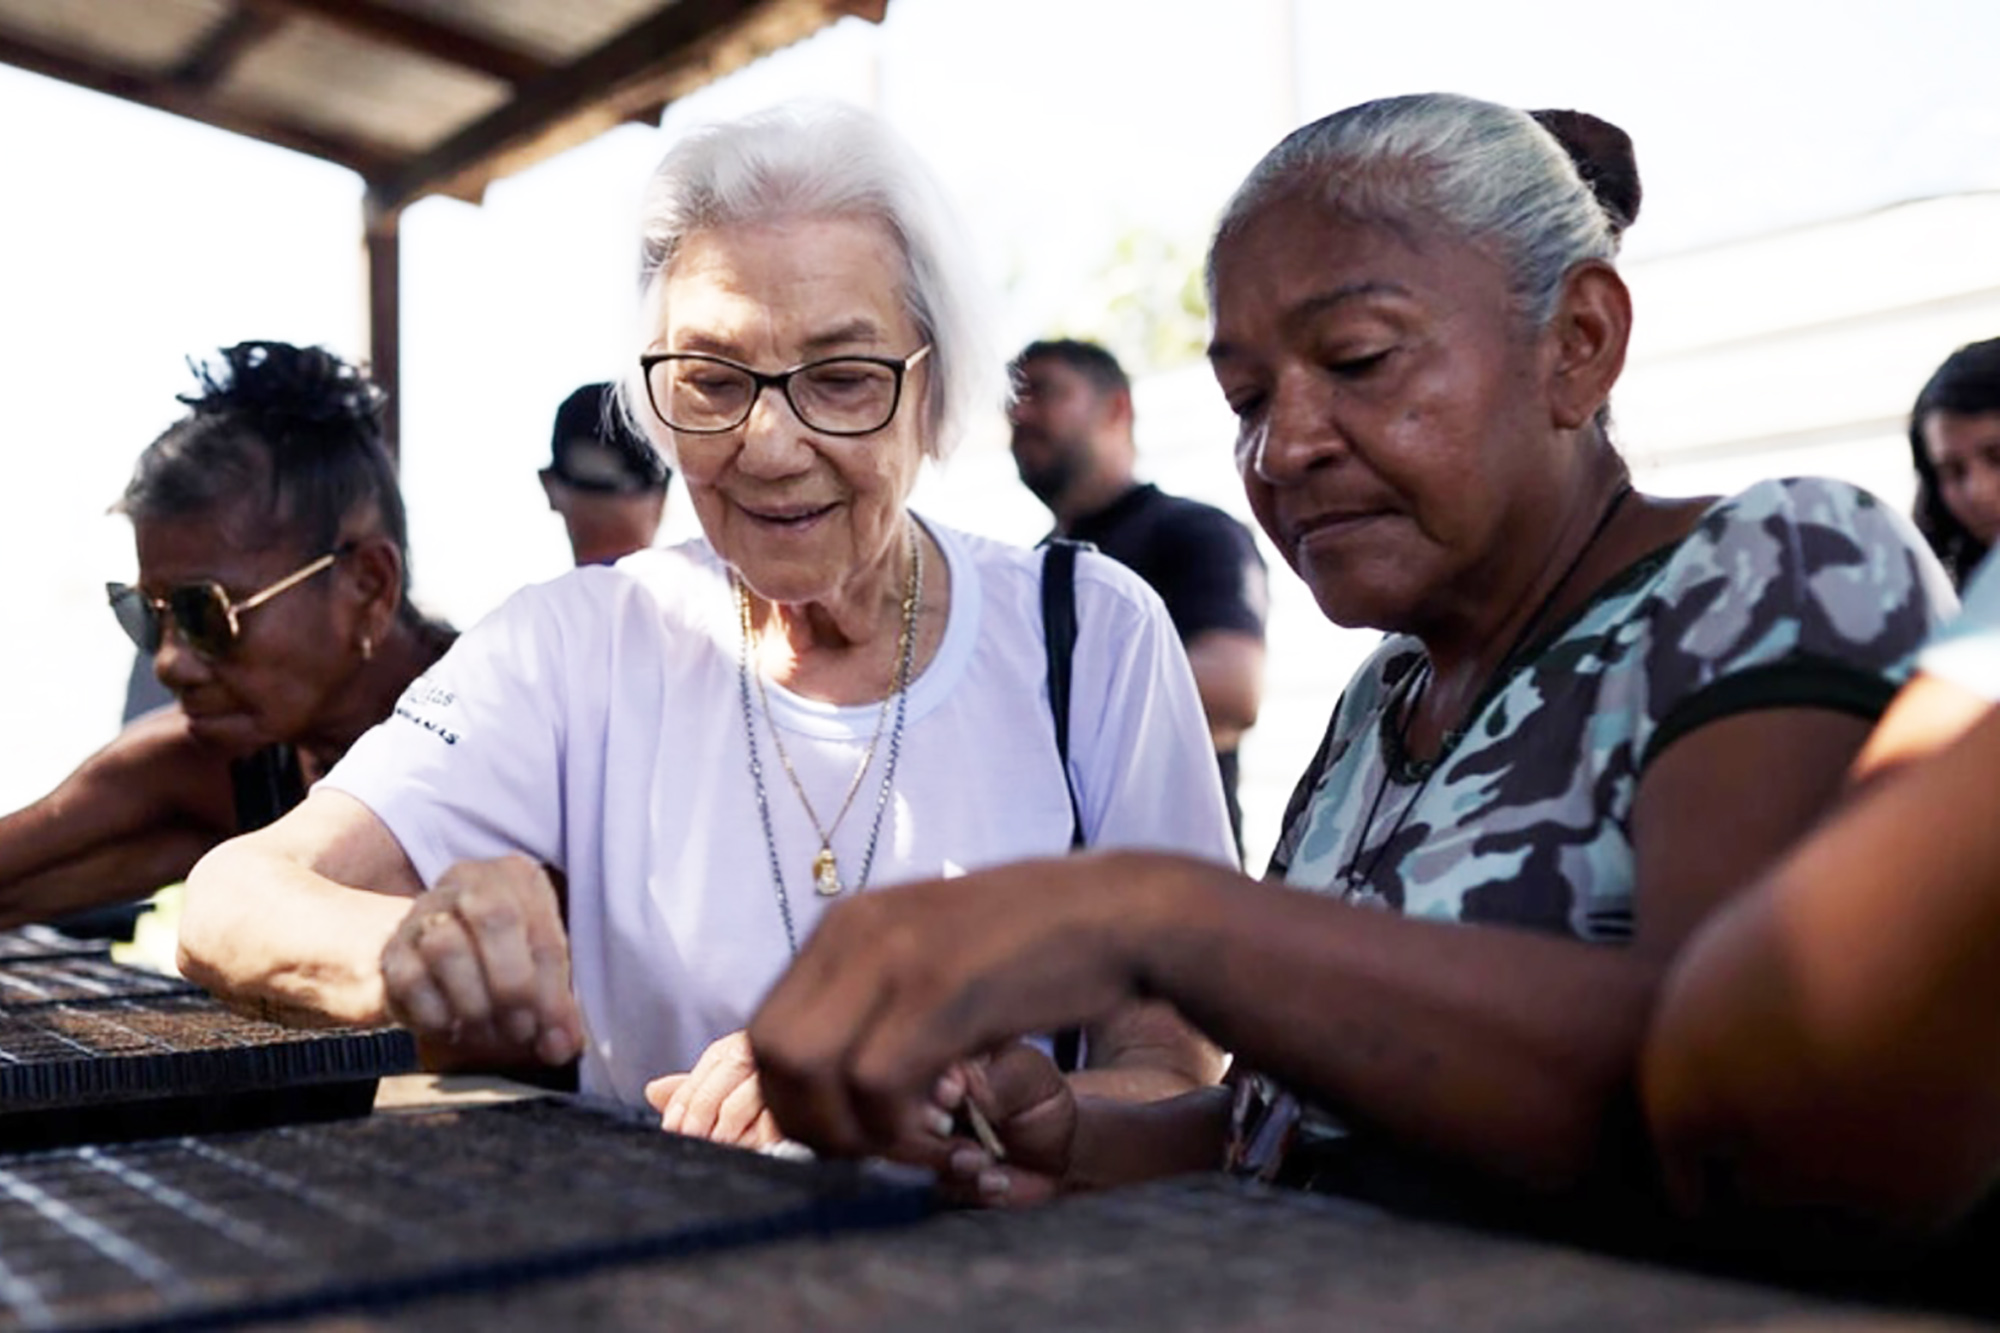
(718, 1099)
(482, 960)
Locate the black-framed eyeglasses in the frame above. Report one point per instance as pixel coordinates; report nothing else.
(208, 618)
(700, 394)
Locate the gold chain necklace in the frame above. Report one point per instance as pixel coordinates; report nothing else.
(825, 865)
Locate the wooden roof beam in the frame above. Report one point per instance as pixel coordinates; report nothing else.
(368, 160)
(410, 32)
(618, 81)
(217, 53)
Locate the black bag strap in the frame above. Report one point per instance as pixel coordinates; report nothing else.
(1059, 637)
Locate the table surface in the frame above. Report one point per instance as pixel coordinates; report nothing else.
(473, 1203)
(1195, 1254)
(465, 1202)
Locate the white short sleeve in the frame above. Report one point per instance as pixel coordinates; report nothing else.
(1140, 747)
(1966, 652)
(469, 765)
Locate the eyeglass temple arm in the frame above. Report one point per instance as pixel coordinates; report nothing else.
(289, 581)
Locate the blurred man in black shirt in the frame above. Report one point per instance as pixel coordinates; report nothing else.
(1072, 442)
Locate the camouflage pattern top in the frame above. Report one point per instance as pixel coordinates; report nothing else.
(1800, 593)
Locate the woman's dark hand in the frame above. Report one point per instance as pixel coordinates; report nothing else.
(482, 960)
(1032, 1112)
(896, 986)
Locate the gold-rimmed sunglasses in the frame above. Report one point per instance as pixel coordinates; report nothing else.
(208, 618)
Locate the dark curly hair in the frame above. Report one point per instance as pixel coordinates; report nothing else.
(1967, 383)
(295, 427)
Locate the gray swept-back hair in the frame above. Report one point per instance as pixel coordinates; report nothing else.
(1488, 173)
(809, 160)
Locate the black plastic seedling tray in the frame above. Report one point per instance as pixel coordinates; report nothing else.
(1202, 1254)
(29, 982)
(43, 942)
(364, 1215)
(108, 1070)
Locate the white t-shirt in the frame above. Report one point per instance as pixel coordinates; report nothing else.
(1966, 651)
(596, 723)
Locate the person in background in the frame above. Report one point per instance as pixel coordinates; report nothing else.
(608, 483)
(1071, 416)
(1955, 444)
(712, 743)
(272, 602)
(1596, 715)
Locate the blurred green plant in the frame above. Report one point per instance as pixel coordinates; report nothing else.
(1145, 303)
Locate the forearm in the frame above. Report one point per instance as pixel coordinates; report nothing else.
(1138, 1082)
(1927, 715)
(1761, 1093)
(1121, 1142)
(266, 934)
(1229, 676)
(134, 816)
(1500, 1048)
(123, 872)
(1832, 1038)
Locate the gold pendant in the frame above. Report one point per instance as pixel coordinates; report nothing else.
(826, 874)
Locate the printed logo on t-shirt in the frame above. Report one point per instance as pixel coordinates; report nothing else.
(421, 704)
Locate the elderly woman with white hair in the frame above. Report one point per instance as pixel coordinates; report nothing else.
(606, 821)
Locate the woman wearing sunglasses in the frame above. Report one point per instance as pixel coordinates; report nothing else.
(273, 600)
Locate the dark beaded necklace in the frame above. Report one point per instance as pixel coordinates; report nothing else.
(1401, 700)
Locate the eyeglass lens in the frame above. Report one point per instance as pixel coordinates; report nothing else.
(136, 617)
(839, 396)
(201, 610)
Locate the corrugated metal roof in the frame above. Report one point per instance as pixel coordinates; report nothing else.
(419, 96)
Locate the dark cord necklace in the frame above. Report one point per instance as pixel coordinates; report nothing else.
(1401, 701)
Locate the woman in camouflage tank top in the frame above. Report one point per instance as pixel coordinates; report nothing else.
(1597, 714)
